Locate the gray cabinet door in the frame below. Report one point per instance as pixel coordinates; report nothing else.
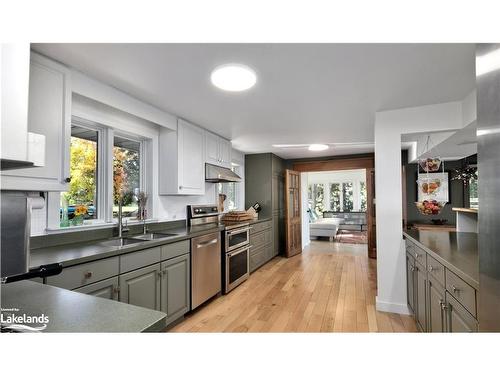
(142, 287)
(175, 291)
(459, 319)
(436, 302)
(421, 300)
(410, 282)
(276, 235)
(105, 289)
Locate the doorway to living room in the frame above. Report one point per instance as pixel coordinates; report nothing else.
(338, 200)
(336, 205)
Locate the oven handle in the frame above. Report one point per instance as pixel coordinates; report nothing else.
(207, 243)
(236, 231)
(236, 252)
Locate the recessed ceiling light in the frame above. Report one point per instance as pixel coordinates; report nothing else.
(233, 77)
(318, 147)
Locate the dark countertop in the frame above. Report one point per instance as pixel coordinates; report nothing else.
(82, 252)
(69, 311)
(457, 251)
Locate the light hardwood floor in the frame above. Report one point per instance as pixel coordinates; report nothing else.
(330, 287)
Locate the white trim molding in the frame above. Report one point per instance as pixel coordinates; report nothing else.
(397, 308)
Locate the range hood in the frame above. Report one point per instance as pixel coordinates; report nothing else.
(214, 173)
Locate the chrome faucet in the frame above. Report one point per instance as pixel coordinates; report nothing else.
(121, 228)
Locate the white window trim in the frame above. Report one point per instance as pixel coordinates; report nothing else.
(104, 189)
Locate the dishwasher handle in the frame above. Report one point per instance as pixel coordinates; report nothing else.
(207, 243)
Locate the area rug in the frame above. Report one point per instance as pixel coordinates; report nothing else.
(351, 236)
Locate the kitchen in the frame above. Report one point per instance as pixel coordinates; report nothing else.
(152, 221)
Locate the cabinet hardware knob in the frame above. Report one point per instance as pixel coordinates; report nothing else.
(180, 187)
(116, 289)
(88, 274)
(159, 273)
(67, 180)
(455, 289)
(417, 255)
(431, 268)
(164, 272)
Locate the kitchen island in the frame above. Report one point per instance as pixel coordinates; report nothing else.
(442, 274)
(69, 311)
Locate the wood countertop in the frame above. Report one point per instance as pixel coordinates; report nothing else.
(462, 209)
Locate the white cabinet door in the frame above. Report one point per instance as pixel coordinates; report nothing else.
(225, 153)
(49, 114)
(211, 148)
(191, 162)
(15, 68)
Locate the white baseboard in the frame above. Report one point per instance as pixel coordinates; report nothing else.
(397, 308)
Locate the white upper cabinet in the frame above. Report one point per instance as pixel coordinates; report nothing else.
(182, 160)
(15, 68)
(49, 114)
(217, 150)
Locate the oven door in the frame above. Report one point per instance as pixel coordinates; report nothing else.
(237, 238)
(237, 267)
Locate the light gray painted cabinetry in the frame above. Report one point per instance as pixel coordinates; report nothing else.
(439, 299)
(157, 278)
(410, 281)
(142, 287)
(175, 291)
(421, 299)
(105, 289)
(436, 302)
(261, 242)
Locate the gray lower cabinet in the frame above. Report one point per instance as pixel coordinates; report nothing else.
(410, 282)
(436, 306)
(175, 290)
(438, 303)
(105, 289)
(458, 318)
(142, 287)
(262, 244)
(421, 299)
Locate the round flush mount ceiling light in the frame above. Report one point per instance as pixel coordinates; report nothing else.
(233, 77)
(317, 147)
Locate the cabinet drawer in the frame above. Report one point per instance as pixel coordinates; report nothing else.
(435, 269)
(105, 289)
(257, 227)
(174, 249)
(261, 238)
(419, 254)
(257, 258)
(138, 259)
(461, 291)
(87, 273)
(459, 319)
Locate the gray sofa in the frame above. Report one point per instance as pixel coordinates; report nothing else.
(351, 220)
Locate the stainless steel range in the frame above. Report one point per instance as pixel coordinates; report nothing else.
(234, 255)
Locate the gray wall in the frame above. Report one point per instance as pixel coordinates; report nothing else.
(456, 195)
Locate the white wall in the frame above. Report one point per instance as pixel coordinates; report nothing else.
(389, 126)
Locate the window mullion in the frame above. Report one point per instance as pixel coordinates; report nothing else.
(107, 185)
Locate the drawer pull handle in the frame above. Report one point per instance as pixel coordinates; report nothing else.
(455, 289)
(88, 274)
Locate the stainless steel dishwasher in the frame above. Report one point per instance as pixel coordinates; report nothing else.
(205, 268)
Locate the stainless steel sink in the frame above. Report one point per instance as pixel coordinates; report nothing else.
(121, 242)
(154, 236)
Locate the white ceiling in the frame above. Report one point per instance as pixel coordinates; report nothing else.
(305, 93)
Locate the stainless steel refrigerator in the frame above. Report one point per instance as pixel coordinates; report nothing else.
(488, 136)
(15, 228)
